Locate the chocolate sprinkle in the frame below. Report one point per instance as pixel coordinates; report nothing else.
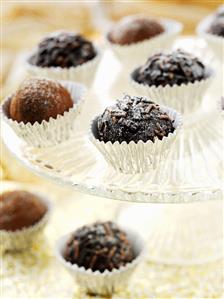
(63, 49)
(100, 246)
(177, 67)
(133, 119)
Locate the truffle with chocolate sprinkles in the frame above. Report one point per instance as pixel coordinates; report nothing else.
(133, 119)
(100, 246)
(63, 49)
(39, 99)
(177, 67)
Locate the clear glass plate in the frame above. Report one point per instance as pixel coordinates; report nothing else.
(192, 172)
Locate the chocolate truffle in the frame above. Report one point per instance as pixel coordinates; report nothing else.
(20, 209)
(177, 67)
(133, 119)
(133, 29)
(39, 99)
(217, 27)
(63, 49)
(100, 246)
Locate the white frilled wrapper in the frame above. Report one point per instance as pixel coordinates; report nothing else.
(214, 42)
(22, 239)
(107, 282)
(185, 98)
(53, 131)
(84, 73)
(137, 53)
(140, 157)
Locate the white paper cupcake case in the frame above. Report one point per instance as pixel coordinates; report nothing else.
(84, 73)
(22, 239)
(54, 131)
(185, 98)
(216, 43)
(138, 157)
(139, 52)
(105, 283)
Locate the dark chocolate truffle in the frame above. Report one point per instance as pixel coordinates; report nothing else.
(177, 67)
(39, 99)
(100, 246)
(133, 119)
(133, 29)
(63, 49)
(217, 27)
(20, 209)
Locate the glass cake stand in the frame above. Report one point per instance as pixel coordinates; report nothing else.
(193, 172)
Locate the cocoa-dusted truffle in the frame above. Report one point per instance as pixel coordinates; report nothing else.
(100, 246)
(63, 49)
(133, 29)
(133, 119)
(39, 99)
(177, 67)
(20, 209)
(217, 27)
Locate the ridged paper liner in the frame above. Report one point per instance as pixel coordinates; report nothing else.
(136, 53)
(215, 42)
(22, 239)
(53, 131)
(107, 282)
(185, 98)
(137, 157)
(84, 73)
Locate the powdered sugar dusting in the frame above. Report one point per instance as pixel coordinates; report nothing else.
(39, 99)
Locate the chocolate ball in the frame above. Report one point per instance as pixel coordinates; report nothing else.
(63, 49)
(133, 29)
(177, 67)
(20, 209)
(100, 246)
(133, 119)
(39, 99)
(217, 27)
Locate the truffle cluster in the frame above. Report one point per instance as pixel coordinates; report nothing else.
(39, 99)
(100, 246)
(63, 49)
(19, 209)
(133, 29)
(177, 67)
(133, 119)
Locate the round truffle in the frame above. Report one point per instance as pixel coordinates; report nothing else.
(63, 49)
(217, 27)
(39, 99)
(20, 209)
(133, 29)
(100, 246)
(133, 119)
(177, 67)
